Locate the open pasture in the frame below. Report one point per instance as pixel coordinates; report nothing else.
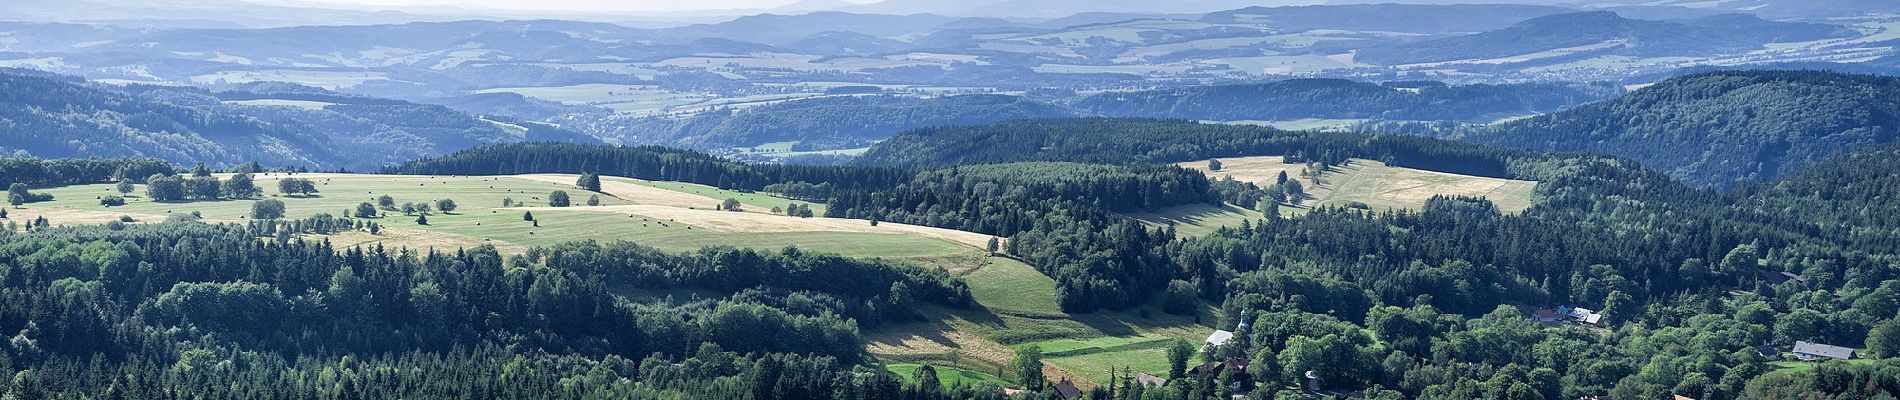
(1375, 184)
(649, 215)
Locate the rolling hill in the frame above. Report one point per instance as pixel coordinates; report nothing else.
(1446, 19)
(840, 122)
(1604, 32)
(55, 116)
(1722, 128)
(1341, 99)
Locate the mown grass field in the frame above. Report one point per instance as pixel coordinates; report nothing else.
(1790, 366)
(946, 375)
(1375, 184)
(760, 201)
(1008, 286)
(1094, 367)
(1203, 219)
(1017, 308)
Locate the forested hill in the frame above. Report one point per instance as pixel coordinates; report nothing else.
(1110, 140)
(51, 116)
(1721, 128)
(839, 122)
(1850, 198)
(1606, 33)
(1343, 99)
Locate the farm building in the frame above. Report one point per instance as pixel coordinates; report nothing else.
(1218, 338)
(1067, 389)
(1814, 351)
(1547, 316)
(1581, 315)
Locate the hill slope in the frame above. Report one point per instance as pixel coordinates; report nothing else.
(1338, 98)
(1608, 33)
(1717, 129)
(1455, 18)
(841, 122)
(53, 116)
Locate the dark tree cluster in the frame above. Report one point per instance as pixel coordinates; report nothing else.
(77, 171)
(193, 310)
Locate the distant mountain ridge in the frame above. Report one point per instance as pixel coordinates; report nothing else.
(1604, 32)
(1341, 99)
(52, 116)
(1455, 18)
(838, 122)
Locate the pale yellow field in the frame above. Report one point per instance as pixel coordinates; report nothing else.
(1374, 183)
(637, 194)
(760, 222)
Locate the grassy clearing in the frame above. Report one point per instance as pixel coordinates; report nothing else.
(1791, 366)
(947, 375)
(1094, 367)
(480, 219)
(1005, 285)
(1375, 184)
(1072, 347)
(1202, 219)
(751, 201)
(1016, 308)
(338, 192)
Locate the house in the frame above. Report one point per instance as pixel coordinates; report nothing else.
(1150, 380)
(1547, 316)
(1067, 389)
(1681, 397)
(1238, 364)
(1218, 338)
(1805, 351)
(1209, 368)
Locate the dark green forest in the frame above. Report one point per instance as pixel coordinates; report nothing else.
(1721, 129)
(841, 122)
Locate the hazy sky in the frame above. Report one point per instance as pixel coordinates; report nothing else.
(572, 5)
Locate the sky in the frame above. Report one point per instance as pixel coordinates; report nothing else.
(569, 5)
